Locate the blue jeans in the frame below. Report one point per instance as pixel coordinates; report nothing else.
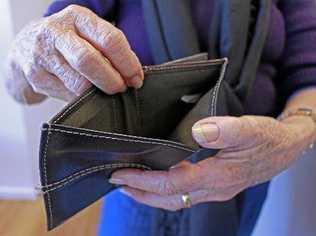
(122, 215)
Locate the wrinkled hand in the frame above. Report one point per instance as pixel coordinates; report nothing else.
(62, 55)
(253, 150)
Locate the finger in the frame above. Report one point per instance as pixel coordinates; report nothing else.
(72, 80)
(19, 88)
(171, 203)
(89, 62)
(112, 43)
(45, 83)
(180, 179)
(224, 132)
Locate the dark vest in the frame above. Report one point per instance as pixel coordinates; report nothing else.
(238, 32)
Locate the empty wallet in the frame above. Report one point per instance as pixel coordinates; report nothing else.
(148, 128)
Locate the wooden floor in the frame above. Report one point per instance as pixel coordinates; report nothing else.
(28, 219)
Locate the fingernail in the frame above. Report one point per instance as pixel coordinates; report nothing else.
(116, 181)
(205, 133)
(125, 192)
(175, 166)
(137, 82)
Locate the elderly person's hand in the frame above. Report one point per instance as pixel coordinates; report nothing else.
(62, 55)
(253, 150)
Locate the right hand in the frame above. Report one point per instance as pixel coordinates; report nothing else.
(64, 54)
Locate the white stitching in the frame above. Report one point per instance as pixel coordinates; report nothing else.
(178, 67)
(213, 100)
(50, 211)
(122, 135)
(73, 105)
(120, 139)
(49, 203)
(138, 108)
(116, 126)
(217, 86)
(59, 184)
(105, 166)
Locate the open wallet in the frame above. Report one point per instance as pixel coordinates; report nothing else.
(148, 128)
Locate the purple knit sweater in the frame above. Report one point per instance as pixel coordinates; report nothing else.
(289, 58)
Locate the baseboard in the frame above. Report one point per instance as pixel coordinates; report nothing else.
(17, 193)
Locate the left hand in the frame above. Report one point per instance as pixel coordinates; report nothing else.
(253, 150)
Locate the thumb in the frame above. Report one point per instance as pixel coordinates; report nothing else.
(222, 132)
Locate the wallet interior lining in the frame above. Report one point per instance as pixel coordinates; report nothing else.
(109, 113)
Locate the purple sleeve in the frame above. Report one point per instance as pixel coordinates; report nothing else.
(298, 64)
(103, 8)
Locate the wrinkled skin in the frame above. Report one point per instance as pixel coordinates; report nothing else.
(253, 150)
(64, 54)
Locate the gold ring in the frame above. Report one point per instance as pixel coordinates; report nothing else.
(186, 200)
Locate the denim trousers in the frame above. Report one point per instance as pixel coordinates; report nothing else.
(122, 215)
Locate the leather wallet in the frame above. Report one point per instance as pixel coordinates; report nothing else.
(149, 129)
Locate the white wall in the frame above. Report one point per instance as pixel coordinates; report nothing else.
(19, 125)
(291, 207)
(14, 177)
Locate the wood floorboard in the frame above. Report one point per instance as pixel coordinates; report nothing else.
(27, 218)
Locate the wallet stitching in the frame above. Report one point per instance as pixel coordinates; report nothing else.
(73, 105)
(138, 109)
(114, 114)
(176, 68)
(122, 135)
(213, 110)
(217, 87)
(165, 73)
(116, 138)
(59, 184)
(49, 204)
